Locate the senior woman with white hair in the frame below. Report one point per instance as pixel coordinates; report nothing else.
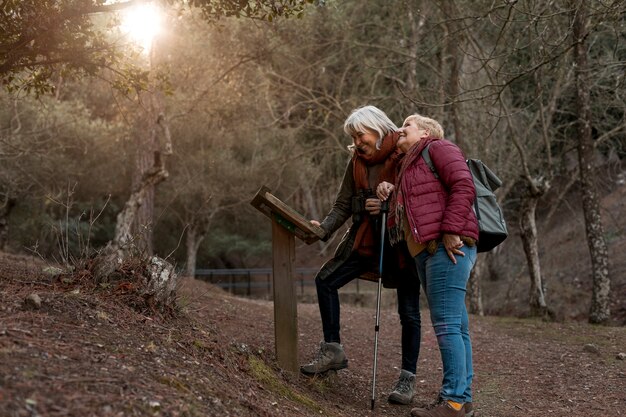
(375, 158)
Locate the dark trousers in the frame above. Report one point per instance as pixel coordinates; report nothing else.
(408, 305)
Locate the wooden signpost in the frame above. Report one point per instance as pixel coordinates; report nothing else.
(286, 223)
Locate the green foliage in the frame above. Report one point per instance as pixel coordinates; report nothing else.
(258, 9)
(39, 36)
(41, 39)
(55, 162)
(225, 146)
(224, 244)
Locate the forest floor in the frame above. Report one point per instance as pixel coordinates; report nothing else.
(85, 351)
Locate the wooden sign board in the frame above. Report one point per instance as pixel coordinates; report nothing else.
(286, 223)
(290, 219)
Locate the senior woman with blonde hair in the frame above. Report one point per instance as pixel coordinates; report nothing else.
(434, 216)
(374, 159)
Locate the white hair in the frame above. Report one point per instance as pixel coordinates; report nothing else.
(369, 118)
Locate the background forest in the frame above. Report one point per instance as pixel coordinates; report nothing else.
(229, 100)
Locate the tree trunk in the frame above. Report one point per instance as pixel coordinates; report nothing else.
(151, 149)
(474, 294)
(5, 211)
(123, 245)
(144, 161)
(414, 48)
(311, 202)
(451, 91)
(192, 243)
(124, 238)
(311, 205)
(455, 59)
(159, 282)
(528, 234)
(600, 311)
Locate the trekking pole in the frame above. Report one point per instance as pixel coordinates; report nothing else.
(384, 208)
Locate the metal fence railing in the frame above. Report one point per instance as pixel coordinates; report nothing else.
(257, 282)
(253, 281)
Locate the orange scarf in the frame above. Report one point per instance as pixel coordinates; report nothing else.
(365, 243)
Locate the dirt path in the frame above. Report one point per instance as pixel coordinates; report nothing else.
(523, 367)
(86, 353)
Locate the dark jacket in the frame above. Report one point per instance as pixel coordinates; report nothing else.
(336, 217)
(340, 212)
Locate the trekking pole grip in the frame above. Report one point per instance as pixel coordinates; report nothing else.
(384, 206)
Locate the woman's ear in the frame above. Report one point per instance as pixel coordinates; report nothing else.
(426, 133)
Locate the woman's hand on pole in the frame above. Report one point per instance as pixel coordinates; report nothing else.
(384, 190)
(372, 205)
(314, 223)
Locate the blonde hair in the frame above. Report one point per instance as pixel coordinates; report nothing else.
(434, 128)
(369, 118)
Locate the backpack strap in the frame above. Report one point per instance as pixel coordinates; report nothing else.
(429, 162)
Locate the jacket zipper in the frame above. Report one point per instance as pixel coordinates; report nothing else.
(416, 235)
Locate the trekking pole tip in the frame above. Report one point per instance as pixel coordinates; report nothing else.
(373, 401)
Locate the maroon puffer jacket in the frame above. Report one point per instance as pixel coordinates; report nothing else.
(436, 206)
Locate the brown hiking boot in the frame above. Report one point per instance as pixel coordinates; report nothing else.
(442, 410)
(468, 407)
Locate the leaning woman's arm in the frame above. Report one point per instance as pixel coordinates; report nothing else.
(455, 175)
(342, 207)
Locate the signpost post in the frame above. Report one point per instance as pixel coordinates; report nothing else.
(286, 223)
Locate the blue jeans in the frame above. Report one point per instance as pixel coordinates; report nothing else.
(408, 305)
(445, 285)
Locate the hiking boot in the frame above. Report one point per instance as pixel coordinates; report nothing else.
(444, 409)
(468, 407)
(330, 357)
(404, 390)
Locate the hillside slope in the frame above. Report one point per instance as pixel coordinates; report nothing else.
(565, 259)
(86, 352)
(563, 251)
